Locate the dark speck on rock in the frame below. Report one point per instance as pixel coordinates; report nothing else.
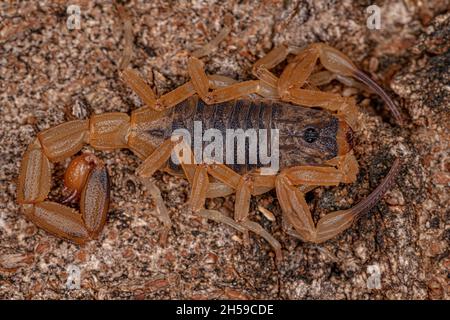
(150, 51)
(434, 222)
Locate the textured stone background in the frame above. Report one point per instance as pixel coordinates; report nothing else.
(49, 75)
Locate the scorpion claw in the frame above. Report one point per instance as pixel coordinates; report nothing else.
(335, 61)
(94, 201)
(361, 76)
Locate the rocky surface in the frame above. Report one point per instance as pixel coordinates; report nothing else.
(49, 74)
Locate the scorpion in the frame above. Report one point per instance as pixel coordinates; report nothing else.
(315, 149)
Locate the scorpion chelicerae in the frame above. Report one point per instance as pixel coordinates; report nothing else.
(315, 147)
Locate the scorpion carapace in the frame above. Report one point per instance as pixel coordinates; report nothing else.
(315, 146)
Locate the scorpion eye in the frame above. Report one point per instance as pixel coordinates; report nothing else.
(310, 135)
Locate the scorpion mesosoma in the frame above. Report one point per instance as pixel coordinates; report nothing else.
(315, 147)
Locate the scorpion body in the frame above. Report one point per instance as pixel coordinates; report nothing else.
(306, 136)
(315, 146)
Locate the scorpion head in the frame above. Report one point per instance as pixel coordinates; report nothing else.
(312, 136)
(327, 138)
(319, 136)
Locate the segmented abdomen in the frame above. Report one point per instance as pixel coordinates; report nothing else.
(292, 123)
